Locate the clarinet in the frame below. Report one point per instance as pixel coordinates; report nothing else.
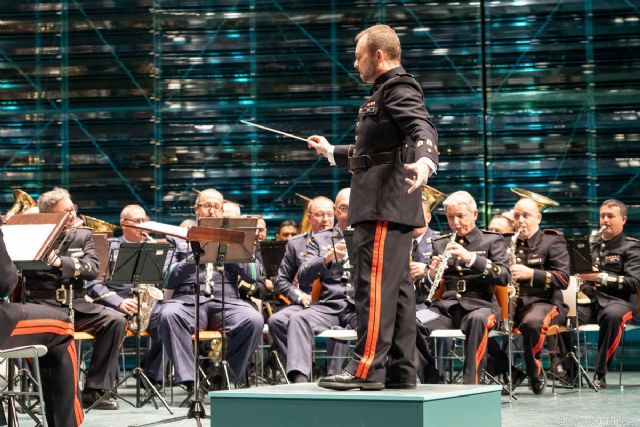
(435, 283)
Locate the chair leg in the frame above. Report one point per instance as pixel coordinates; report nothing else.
(621, 356)
(36, 366)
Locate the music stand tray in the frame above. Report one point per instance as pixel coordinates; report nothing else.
(272, 253)
(139, 263)
(235, 253)
(580, 255)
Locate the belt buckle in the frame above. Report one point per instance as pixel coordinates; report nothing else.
(61, 295)
(461, 286)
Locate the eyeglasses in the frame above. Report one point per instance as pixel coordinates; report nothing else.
(343, 208)
(137, 220)
(320, 214)
(209, 206)
(73, 209)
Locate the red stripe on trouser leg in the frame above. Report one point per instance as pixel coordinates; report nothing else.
(482, 347)
(543, 333)
(614, 346)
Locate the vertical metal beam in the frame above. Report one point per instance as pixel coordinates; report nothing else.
(158, 176)
(39, 116)
(253, 87)
(592, 140)
(64, 94)
(487, 184)
(335, 172)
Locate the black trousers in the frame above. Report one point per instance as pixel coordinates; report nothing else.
(385, 304)
(611, 320)
(37, 324)
(109, 328)
(475, 325)
(534, 321)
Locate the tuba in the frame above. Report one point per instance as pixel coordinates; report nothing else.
(304, 220)
(432, 197)
(98, 225)
(22, 202)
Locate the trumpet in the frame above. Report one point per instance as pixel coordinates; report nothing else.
(435, 283)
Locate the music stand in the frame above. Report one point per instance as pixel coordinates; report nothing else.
(196, 235)
(137, 263)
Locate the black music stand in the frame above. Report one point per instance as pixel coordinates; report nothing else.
(217, 241)
(138, 263)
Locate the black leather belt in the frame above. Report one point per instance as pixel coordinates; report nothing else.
(61, 294)
(360, 163)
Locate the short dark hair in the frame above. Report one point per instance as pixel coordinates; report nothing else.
(384, 38)
(287, 223)
(616, 203)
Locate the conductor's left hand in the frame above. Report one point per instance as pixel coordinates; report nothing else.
(420, 177)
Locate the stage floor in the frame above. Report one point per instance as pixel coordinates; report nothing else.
(610, 407)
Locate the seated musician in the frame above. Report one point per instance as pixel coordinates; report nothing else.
(120, 296)
(31, 324)
(613, 286)
(540, 271)
(477, 263)
(334, 307)
(172, 324)
(286, 230)
(72, 262)
(300, 250)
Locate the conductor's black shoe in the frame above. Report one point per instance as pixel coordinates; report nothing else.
(90, 396)
(599, 381)
(347, 381)
(517, 377)
(539, 383)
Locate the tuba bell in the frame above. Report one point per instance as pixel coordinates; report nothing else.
(304, 221)
(98, 225)
(432, 197)
(22, 202)
(543, 202)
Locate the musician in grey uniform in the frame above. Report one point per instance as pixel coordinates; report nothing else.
(334, 307)
(300, 249)
(120, 296)
(617, 261)
(477, 264)
(72, 262)
(174, 321)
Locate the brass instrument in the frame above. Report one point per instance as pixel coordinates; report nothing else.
(149, 296)
(543, 202)
(582, 298)
(435, 283)
(22, 202)
(98, 225)
(304, 225)
(432, 197)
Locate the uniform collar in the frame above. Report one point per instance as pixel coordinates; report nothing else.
(533, 241)
(614, 240)
(386, 76)
(471, 236)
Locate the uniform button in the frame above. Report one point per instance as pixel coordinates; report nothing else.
(520, 251)
(357, 125)
(461, 241)
(518, 260)
(458, 267)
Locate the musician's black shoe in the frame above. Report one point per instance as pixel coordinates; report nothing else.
(90, 396)
(599, 381)
(539, 383)
(347, 381)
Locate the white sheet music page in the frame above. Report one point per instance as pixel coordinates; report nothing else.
(24, 241)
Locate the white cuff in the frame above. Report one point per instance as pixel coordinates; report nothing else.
(332, 160)
(432, 166)
(472, 260)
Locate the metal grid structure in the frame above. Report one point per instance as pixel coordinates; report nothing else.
(139, 101)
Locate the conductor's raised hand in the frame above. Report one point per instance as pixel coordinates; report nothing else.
(319, 143)
(420, 175)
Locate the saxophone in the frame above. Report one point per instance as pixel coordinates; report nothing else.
(149, 296)
(435, 283)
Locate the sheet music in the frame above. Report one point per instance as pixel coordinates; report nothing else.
(161, 228)
(24, 241)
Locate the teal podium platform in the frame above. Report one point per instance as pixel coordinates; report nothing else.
(307, 405)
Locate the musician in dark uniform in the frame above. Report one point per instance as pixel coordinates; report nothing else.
(300, 249)
(173, 323)
(616, 259)
(541, 272)
(394, 153)
(30, 324)
(477, 264)
(74, 261)
(334, 307)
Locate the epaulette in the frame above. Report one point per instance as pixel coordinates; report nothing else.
(442, 236)
(490, 232)
(299, 236)
(631, 239)
(553, 231)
